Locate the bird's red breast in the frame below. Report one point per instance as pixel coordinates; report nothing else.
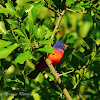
(56, 57)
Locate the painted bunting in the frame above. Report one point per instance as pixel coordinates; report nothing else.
(55, 58)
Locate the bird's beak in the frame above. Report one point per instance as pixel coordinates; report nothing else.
(65, 46)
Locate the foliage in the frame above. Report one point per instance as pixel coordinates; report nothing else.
(25, 30)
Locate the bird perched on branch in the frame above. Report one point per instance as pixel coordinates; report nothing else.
(55, 58)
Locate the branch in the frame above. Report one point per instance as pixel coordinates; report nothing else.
(84, 67)
(58, 23)
(53, 9)
(55, 74)
(60, 18)
(49, 64)
(66, 73)
(74, 11)
(51, 82)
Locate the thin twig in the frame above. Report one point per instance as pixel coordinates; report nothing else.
(71, 71)
(66, 73)
(74, 11)
(53, 9)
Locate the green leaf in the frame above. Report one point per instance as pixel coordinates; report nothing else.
(82, 4)
(91, 43)
(9, 37)
(45, 41)
(10, 9)
(79, 5)
(31, 15)
(19, 32)
(95, 67)
(79, 55)
(5, 10)
(7, 89)
(40, 32)
(49, 33)
(23, 27)
(35, 28)
(13, 23)
(20, 77)
(57, 3)
(86, 58)
(70, 2)
(22, 57)
(1, 83)
(4, 43)
(2, 28)
(37, 5)
(97, 56)
(47, 48)
(4, 52)
(9, 5)
(58, 93)
(23, 40)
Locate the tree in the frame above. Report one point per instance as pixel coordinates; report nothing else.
(28, 28)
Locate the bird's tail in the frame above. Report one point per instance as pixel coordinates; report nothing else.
(39, 67)
(33, 74)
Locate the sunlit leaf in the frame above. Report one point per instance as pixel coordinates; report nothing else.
(22, 57)
(4, 52)
(35, 28)
(23, 27)
(45, 41)
(37, 5)
(70, 2)
(49, 33)
(40, 32)
(31, 15)
(4, 43)
(19, 32)
(8, 37)
(12, 22)
(2, 28)
(47, 48)
(9, 5)
(10, 9)
(79, 5)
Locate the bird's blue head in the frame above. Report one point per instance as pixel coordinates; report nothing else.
(59, 45)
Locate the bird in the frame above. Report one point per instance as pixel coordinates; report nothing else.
(55, 59)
